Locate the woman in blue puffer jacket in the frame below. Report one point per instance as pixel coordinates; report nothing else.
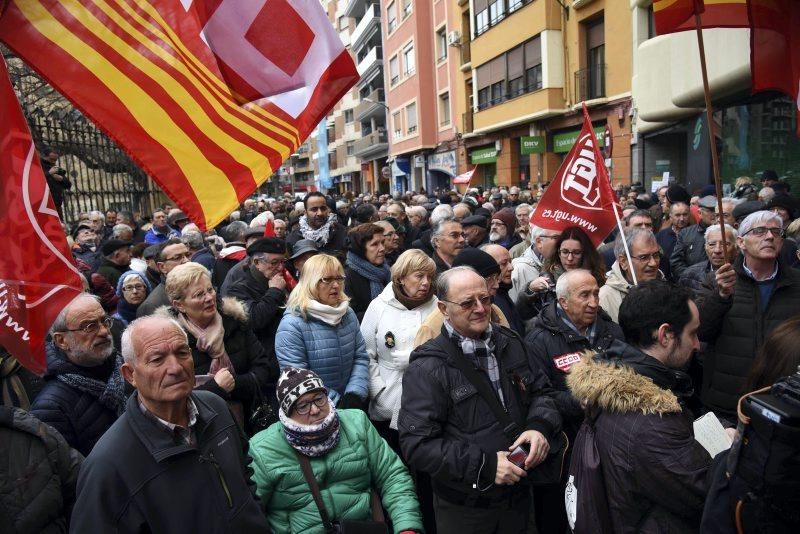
(319, 331)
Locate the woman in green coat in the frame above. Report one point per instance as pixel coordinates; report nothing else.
(348, 457)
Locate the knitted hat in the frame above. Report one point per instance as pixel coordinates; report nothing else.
(507, 217)
(478, 260)
(294, 383)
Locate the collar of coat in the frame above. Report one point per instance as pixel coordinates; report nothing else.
(227, 306)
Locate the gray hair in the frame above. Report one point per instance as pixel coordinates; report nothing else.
(715, 228)
(420, 199)
(100, 214)
(128, 354)
(757, 219)
(235, 231)
(443, 282)
(630, 237)
(235, 215)
(438, 228)
(417, 210)
(193, 240)
(119, 229)
(766, 194)
(442, 211)
(563, 288)
(60, 324)
(732, 200)
(523, 206)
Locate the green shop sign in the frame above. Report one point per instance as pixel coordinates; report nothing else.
(483, 155)
(531, 145)
(563, 142)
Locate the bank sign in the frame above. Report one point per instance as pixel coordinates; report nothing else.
(533, 144)
(563, 142)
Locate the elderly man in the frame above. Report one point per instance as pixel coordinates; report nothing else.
(750, 298)
(280, 228)
(690, 245)
(501, 297)
(523, 213)
(476, 231)
(176, 461)
(235, 235)
(645, 254)
(126, 217)
(197, 248)
(171, 253)
(447, 428)
(84, 392)
(98, 223)
(116, 260)
(501, 229)
(528, 266)
(461, 211)
(321, 226)
(160, 230)
(447, 239)
(635, 219)
(700, 274)
(85, 247)
(679, 216)
(123, 232)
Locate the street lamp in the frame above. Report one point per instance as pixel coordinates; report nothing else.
(368, 99)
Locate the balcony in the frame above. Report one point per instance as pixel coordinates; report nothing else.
(466, 122)
(373, 59)
(590, 83)
(302, 151)
(302, 166)
(372, 143)
(370, 21)
(371, 105)
(466, 54)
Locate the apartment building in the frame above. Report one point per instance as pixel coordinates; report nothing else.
(526, 66)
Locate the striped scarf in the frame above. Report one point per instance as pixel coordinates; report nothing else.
(480, 350)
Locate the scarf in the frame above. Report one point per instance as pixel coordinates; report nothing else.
(378, 275)
(408, 302)
(481, 351)
(312, 440)
(321, 235)
(211, 341)
(327, 314)
(126, 311)
(110, 394)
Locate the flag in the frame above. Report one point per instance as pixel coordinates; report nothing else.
(580, 194)
(465, 178)
(775, 48)
(269, 229)
(37, 275)
(207, 96)
(678, 15)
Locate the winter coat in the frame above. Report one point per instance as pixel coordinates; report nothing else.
(345, 475)
(337, 354)
(389, 329)
(666, 239)
(204, 257)
(154, 237)
(38, 474)
(111, 271)
(78, 415)
(265, 305)
(336, 245)
(614, 291)
(654, 470)
(697, 276)
(358, 289)
(690, 248)
(552, 338)
(448, 431)
(86, 254)
(229, 257)
(526, 269)
(736, 328)
(139, 478)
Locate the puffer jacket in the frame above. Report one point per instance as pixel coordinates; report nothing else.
(654, 470)
(736, 329)
(389, 329)
(614, 291)
(38, 475)
(337, 354)
(697, 276)
(526, 269)
(345, 475)
(448, 431)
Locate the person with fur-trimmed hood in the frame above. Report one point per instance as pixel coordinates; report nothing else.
(654, 471)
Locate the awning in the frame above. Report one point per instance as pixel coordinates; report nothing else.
(401, 167)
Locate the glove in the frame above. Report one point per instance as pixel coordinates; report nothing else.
(351, 400)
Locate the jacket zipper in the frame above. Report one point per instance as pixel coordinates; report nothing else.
(213, 461)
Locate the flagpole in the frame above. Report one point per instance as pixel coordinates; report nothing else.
(624, 241)
(711, 137)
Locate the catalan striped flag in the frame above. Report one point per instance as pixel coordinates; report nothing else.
(207, 96)
(678, 15)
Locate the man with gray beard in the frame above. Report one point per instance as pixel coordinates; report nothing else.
(84, 392)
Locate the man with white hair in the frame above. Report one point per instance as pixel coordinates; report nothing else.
(528, 266)
(447, 240)
(423, 242)
(170, 438)
(748, 300)
(523, 214)
(702, 273)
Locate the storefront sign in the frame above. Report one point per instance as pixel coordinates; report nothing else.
(533, 144)
(563, 142)
(483, 155)
(443, 161)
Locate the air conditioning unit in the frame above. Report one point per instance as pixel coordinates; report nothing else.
(454, 38)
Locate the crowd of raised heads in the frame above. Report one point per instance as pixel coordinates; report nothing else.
(431, 361)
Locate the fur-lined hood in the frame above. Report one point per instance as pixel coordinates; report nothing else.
(612, 386)
(228, 306)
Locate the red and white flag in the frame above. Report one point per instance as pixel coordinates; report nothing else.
(465, 178)
(37, 275)
(580, 194)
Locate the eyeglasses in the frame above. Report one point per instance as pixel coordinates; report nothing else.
(467, 305)
(328, 280)
(93, 327)
(179, 257)
(456, 235)
(271, 263)
(761, 231)
(304, 407)
(138, 287)
(200, 294)
(645, 258)
(554, 236)
(575, 253)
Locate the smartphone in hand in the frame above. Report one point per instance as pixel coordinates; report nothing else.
(518, 456)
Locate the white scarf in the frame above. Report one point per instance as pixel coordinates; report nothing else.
(327, 314)
(321, 235)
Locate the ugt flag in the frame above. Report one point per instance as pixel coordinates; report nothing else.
(678, 15)
(37, 275)
(580, 194)
(207, 96)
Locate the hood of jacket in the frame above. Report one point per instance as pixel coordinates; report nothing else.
(616, 278)
(530, 257)
(227, 306)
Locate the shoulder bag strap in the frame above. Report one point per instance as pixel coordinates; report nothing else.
(510, 428)
(308, 474)
(377, 507)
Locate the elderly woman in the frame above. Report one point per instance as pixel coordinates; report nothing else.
(345, 455)
(389, 327)
(319, 331)
(132, 290)
(391, 239)
(228, 358)
(367, 272)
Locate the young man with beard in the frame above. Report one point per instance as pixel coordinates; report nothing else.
(321, 226)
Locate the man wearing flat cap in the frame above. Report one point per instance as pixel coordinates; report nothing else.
(476, 231)
(690, 245)
(116, 260)
(262, 288)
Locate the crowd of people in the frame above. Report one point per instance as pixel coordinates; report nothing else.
(424, 360)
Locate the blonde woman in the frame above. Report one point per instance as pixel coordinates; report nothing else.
(319, 331)
(389, 326)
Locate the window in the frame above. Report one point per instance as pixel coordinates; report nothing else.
(497, 11)
(514, 5)
(398, 127)
(516, 81)
(406, 8)
(408, 60)
(444, 109)
(411, 118)
(441, 44)
(533, 64)
(348, 116)
(481, 16)
(510, 75)
(391, 18)
(394, 70)
(596, 59)
(350, 148)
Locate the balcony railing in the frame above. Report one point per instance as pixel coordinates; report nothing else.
(373, 104)
(466, 122)
(370, 18)
(367, 60)
(466, 55)
(372, 142)
(590, 83)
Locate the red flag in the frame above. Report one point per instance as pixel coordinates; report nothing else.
(209, 97)
(269, 229)
(678, 15)
(465, 178)
(37, 275)
(580, 194)
(775, 48)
